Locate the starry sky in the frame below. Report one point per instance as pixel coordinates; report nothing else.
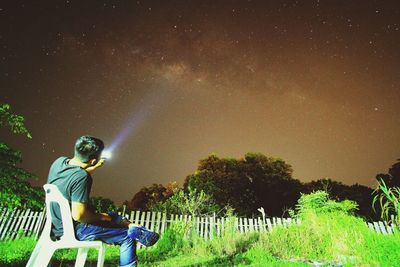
(316, 83)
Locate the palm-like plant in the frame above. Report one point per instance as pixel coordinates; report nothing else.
(389, 200)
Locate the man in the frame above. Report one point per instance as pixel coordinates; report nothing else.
(73, 179)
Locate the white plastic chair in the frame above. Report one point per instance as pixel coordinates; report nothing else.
(46, 247)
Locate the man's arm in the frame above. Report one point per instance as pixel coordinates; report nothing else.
(81, 213)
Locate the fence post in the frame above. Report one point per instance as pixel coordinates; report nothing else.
(251, 225)
(7, 224)
(24, 223)
(202, 227)
(376, 226)
(3, 213)
(158, 224)
(163, 222)
(246, 226)
(42, 219)
(153, 221)
(222, 226)
(382, 227)
(137, 217)
(123, 210)
(19, 224)
(261, 225)
(148, 216)
(3, 219)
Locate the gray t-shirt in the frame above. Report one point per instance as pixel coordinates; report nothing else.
(73, 182)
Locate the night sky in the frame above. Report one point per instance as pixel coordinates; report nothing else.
(316, 83)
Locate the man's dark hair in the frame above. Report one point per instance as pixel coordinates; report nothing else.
(88, 147)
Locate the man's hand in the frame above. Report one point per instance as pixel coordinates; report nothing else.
(99, 163)
(122, 221)
(134, 224)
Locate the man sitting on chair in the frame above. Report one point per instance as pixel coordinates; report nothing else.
(73, 179)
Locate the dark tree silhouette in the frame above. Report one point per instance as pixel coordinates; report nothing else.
(148, 196)
(392, 178)
(247, 184)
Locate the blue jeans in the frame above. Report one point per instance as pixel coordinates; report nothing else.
(116, 236)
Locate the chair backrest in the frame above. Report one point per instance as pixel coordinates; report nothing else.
(54, 195)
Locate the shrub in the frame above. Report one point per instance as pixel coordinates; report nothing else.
(389, 200)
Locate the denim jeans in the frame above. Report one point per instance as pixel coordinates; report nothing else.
(116, 236)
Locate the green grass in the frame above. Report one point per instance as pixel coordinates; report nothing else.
(341, 239)
(329, 235)
(16, 252)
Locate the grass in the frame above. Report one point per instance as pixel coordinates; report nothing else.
(331, 236)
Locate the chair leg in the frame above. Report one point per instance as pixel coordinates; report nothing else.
(34, 255)
(81, 257)
(102, 253)
(41, 256)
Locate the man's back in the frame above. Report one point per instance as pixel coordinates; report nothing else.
(73, 182)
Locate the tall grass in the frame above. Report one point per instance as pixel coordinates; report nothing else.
(389, 200)
(328, 233)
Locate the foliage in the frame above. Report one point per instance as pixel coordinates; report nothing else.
(339, 191)
(319, 203)
(389, 200)
(329, 233)
(190, 202)
(9, 159)
(13, 121)
(101, 204)
(392, 178)
(148, 197)
(247, 184)
(15, 190)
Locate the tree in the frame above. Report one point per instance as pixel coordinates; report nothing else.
(13, 121)
(392, 178)
(15, 190)
(190, 202)
(273, 185)
(247, 184)
(147, 197)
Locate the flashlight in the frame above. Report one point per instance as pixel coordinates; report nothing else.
(106, 154)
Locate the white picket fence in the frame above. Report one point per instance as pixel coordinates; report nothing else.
(382, 227)
(16, 223)
(19, 223)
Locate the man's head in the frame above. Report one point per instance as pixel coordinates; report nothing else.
(88, 149)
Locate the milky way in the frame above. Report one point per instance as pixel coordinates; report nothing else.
(316, 83)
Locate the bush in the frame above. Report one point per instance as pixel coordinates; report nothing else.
(192, 201)
(329, 233)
